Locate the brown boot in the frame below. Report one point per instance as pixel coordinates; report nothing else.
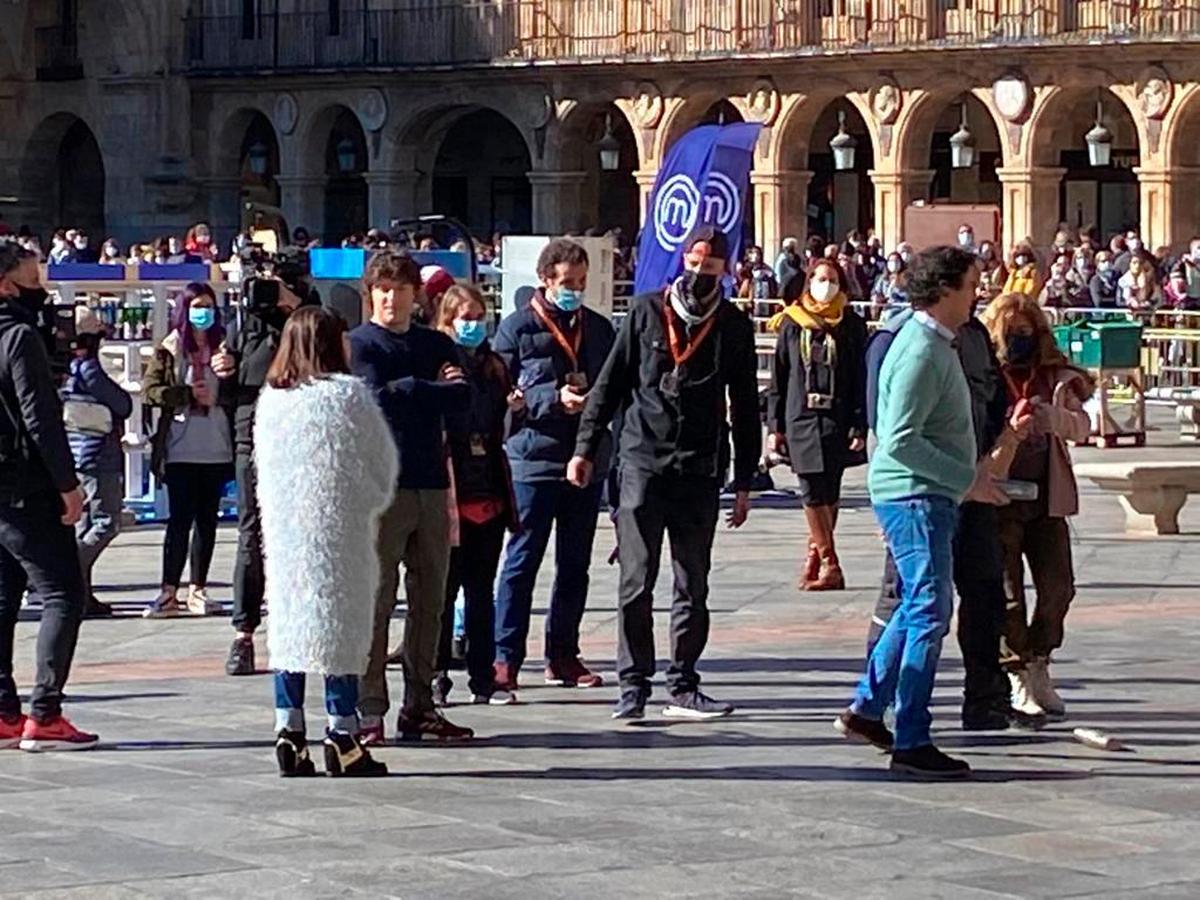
(831, 577)
(812, 565)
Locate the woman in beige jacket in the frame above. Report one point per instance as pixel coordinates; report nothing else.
(1035, 371)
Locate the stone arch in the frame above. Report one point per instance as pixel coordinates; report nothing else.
(607, 199)
(1180, 147)
(1107, 197)
(923, 145)
(678, 118)
(792, 134)
(440, 143)
(313, 133)
(63, 176)
(227, 152)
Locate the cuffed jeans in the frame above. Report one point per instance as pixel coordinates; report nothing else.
(101, 521)
(686, 509)
(341, 697)
(415, 531)
(902, 667)
(572, 513)
(37, 550)
(249, 582)
(979, 580)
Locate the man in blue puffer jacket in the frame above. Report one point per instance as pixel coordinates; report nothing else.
(99, 460)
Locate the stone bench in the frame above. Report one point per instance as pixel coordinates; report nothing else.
(1151, 493)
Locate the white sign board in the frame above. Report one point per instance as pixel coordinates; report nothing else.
(518, 271)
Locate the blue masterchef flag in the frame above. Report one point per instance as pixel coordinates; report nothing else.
(704, 179)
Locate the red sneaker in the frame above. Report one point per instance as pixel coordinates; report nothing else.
(11, 730)
(55, 734)
(505, 676)
(572, 673)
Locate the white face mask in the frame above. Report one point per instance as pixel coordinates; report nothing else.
(1103, 266)
(1134, 245)
(822, 290)
(965, 238)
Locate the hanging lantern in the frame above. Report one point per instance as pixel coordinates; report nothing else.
(258, 156)
(842, 146)
(609, 147)
(347, 155)
(1099, 142)
(962, 145)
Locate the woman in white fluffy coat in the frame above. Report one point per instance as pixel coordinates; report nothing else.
(327, 467)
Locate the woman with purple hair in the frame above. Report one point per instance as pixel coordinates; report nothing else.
(192, 447)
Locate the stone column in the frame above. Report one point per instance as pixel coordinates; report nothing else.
(224, 207)
(558, 202)
(645, 179)
(895, 191)
(780, 207)
(1170, 205)
(302, 200)
(1030, 206)
(393, 195)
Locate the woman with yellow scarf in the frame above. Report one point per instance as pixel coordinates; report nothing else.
(816, 409)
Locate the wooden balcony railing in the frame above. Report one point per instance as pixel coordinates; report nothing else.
(422, 33)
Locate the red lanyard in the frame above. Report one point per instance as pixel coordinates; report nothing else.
(1021, 393)
(678, 353)
(547, 320)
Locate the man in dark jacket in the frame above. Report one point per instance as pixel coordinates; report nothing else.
(40, 502)
(677, 355)
(243, 372)
(554, 348)
(88, 395)
(978, 565)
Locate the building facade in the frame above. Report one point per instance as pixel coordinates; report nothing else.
(139, 116)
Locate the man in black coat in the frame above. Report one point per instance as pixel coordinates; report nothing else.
(676, 356)
(40, 502)
(243, 372)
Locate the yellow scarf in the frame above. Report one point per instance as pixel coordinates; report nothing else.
(808, 313)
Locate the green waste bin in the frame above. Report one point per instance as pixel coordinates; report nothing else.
(1106, 345)
(1062, 337)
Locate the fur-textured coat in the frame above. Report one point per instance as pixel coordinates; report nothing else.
(327, 468)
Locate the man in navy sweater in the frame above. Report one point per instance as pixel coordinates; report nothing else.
(413, 371)
(554, 349)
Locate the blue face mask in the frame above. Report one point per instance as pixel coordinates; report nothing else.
(202, 317)
(470, 334)
(568, 300)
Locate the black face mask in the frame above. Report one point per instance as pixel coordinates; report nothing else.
(1020, 348)
(698, 289)
(32, 300)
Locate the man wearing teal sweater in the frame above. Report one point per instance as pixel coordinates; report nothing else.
(923, 467)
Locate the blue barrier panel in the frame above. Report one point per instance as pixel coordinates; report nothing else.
(184, 272)
(84, 272)
(337, 264)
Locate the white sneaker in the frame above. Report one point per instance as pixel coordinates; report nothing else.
(1022, 694)
(198, 603)
(495, 698)
(1043, 689)
(164, 606)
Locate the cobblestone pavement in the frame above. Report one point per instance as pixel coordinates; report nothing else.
(554, 800)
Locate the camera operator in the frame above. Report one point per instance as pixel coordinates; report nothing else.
(279, 287)
(40, 502)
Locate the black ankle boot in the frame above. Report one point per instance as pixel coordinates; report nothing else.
(291, 752)
(345, 757)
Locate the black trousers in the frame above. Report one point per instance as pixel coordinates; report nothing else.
(249, 582)
(473, 565)
(194, 492)
(979, 580)
(686, 510)
(37, 550)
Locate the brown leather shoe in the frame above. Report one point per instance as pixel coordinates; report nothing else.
(571, 673)
(830, 577)
(812, 567)
(505, 676)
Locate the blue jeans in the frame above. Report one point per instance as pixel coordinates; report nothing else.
(920, 535)
(341, 701)
(572, 513)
